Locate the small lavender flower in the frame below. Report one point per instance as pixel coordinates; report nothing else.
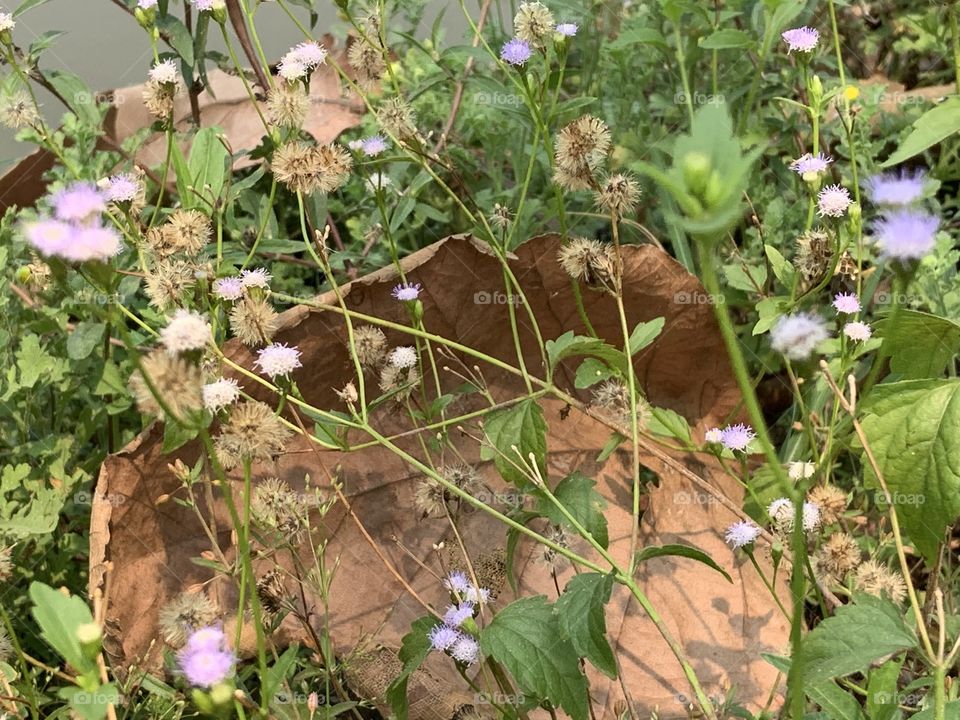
(258, 278)
(846, 303)
(797, 336)
(894, 189)
(741, 534)
(811, 516)
(146, 4)
(208, 5)
(781, 512)
(310, 54)
(456, 615)
(714, 435)
(291, 69)
(228, 288)
(465, 650)
(220, 393)
(857, 331)
(78, 202)
(811, 164)
(122, 188)
(443, 637)
(92, 242)
(801, 39)
(406, 292)
(50, 237)
(567, 29)
(833, 201)
(737, 437)
(516, 51)
(457, 582)
(906, 235)
(206, 662)
(278, 360)
(373, 146)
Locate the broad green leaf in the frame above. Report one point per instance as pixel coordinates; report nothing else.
(749, 279)
(666, 422)
(783, 269)
(414, 649)
(615, 441)
(934, 126)
(687, 551)
(592, 371)
(28, 5)
(176, 435)
(951, 711)
(525, 638)
(644, 334)
(59, 616)
(580, 610)
(208, 164)
(180, 38)
(921, 345)
(839, 704)
(882, 690)
(639, 36)
(522, 427)
(768, 311)
(577, 493)
(77, 94)
(913, 428)
(91, 705)
(83, 339)
(570, 345)
(854, 637)
(727, 38)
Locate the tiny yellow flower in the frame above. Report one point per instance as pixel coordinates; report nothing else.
(851, 92)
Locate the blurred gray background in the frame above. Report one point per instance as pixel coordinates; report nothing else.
(106, 47)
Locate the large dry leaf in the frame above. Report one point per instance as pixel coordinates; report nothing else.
(723, 627)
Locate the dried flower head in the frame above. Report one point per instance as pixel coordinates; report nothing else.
(187, 612)
(558, 535)
(17, 111)
(534, 23)
(287, 105)
(189, 231)
(6, 563)
(367, 62)
(814, 254)
(253, 432)
(6, 647)
(581, 149)
(397, 118)
(272, 592)
(370, 345)
(875, 578)
(399, 381)
(618, 194)
(501, 217)
(612, 398)
(175, 380)
(276, 506)
(831, 500)
(836, 557)
(310, 168)
(590, 261)
(254, 321)
(168, 282)
(158, 96)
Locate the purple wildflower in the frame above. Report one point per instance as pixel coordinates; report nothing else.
(50, 237)
(846, 303)
(713, 435)
(406, 292)
(373, 146)
(205, 660)
(442, 637)
(457, 582)
(811, 164)
(92, 243)
(228, 288)
(796, 336)
(906, 235)
(833, 201)
(516, 51)
(801, 39)
(857, 331)
(465, 650)
(567, 29)
(892, 189)
(456, 615)
(122, 188)
(741, 534)
(78, 202)
(278, 360)
(737, 437)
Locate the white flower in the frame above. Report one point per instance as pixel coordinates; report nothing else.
(291, 69)
(781, 512)
(714, 435)
(146, 4)
(465, 650)
(164, 73)
(187, 330)
(797, 336)
(124, 187)
(801, 470)
(220, 393)
(258, 278)
(403, 357)
(742, 533)
(309, 54)
(278, 360)
(811, 516)
(228, 288)
(7, 22)
(857, 331)
(477, 596)
(833, 201)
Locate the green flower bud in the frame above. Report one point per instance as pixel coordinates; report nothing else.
(815, 88)
(146, 18)
(23, 274)
(221, 694)
(89, 635)
(696, 172)
(714, 192)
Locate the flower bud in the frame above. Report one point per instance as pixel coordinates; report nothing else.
(696, 172)
(89, 635)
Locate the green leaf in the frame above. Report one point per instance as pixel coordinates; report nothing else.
(951, 711)
(639, 36)
(176, 435)
(768, 311)
(522, 426)
(727, 38)
(59, 616)
(934, 126)
(835, 701)
(666, 422)
(525, 638)
(570, 345)
(180, 39)
(615, 441)
(687, 551)
(913, 428)
(91, 705)
(921, 345)
(592, 371)
(208, 163)
(28, 5)
(853, 637)
(644, 334)
(77, 95)
(580, 610)
(414, 649)
(83, 339)
(749, 279)
(783, 269)
(882, 690)
(578, 495)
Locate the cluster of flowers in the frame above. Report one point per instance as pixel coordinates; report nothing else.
(301, 60)
(371, 146)
(76, 231)
(450, 636)
(205, 660)
(533, 24)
